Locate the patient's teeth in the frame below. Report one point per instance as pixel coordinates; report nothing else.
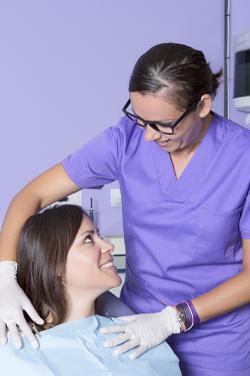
(107, 265)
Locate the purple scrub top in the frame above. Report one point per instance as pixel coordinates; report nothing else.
(183, 236)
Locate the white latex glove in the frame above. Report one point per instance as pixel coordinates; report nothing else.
(13, 302)
(143, 331)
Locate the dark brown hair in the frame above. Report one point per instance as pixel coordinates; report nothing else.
(43, 246)
(176, 71)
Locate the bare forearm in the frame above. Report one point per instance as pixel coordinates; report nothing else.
(230, 295)
(21, 208)
(50, 186)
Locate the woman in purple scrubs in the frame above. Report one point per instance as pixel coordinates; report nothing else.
(184, 174)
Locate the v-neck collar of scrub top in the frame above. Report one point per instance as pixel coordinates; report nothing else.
(178, 190)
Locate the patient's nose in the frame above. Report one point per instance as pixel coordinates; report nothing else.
(106, 246)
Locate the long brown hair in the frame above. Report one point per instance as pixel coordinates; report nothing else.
(44, 242)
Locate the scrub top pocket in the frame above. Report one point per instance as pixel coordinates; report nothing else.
(217, 234)
(135, 292)
(135, 283)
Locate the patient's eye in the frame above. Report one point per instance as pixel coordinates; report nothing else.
(88, 240)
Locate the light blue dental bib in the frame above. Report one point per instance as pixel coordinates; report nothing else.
(76, 349)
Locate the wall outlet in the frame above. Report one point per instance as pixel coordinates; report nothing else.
(115, 197)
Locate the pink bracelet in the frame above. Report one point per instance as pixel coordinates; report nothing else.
(194, 312)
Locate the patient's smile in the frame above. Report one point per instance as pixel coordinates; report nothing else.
(108, 265)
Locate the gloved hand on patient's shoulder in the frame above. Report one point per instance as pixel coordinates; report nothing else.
(143, 331)
(13, 302)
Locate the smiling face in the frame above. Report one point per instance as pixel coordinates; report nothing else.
(156, 108)
(89, 265)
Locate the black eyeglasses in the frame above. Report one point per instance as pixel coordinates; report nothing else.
(168, 127)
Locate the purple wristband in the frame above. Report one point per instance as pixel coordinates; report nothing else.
(190, 320)
(195, 314)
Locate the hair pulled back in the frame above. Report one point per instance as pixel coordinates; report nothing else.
(176, 71)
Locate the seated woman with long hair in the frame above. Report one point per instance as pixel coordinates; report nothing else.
(63, 266)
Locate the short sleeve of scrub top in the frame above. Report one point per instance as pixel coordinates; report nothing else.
(76, 348)
(97, 162)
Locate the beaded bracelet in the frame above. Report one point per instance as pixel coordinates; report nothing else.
(181, 316)
(186, 315)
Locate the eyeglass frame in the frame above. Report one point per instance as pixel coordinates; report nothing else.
(152, 124)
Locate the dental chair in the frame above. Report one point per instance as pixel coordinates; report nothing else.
(109, 305)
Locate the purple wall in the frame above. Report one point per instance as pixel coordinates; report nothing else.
(240, 23)
(64, 72)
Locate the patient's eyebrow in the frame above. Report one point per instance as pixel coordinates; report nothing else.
(87, 232)
(92, 232)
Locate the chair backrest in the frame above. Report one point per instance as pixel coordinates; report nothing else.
(109, 305)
